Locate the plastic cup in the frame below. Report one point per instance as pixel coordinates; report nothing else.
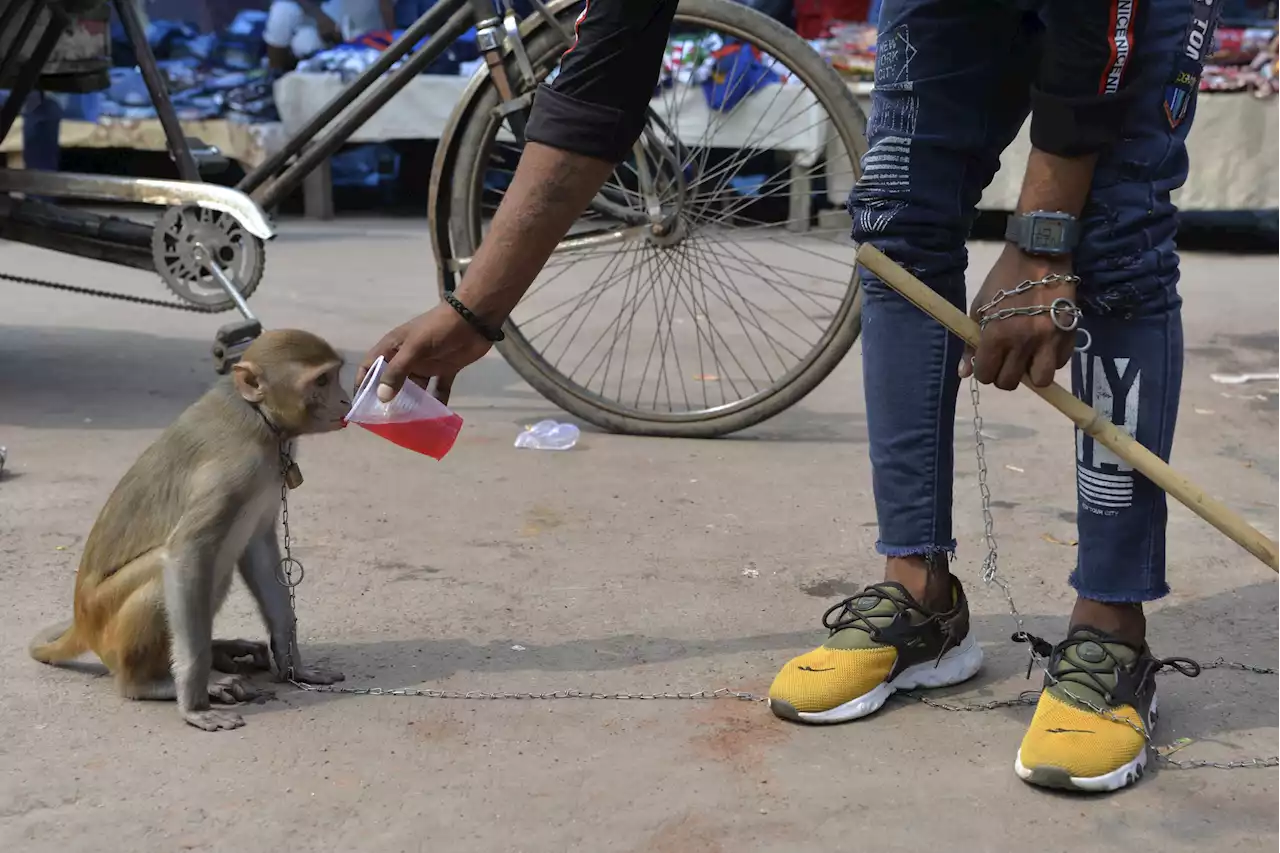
(414, 419)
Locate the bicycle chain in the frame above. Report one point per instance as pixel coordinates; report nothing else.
(105, 294)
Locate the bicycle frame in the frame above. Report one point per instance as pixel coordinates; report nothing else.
(326, 132)
(446, 22)
(272, 181)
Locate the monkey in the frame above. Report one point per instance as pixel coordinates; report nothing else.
(200, 502)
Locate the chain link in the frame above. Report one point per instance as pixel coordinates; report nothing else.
(990, 574)
(291, 572)
(1057, 309)
(105, 294)
(722, 693)
(286, 577)
(285, 572)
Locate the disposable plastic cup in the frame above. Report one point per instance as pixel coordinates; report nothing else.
(414, 419)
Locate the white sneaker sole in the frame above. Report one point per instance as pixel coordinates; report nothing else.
(1048, 776)
(957, 665)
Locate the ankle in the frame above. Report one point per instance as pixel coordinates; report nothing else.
(1122, 620)
(925, 576)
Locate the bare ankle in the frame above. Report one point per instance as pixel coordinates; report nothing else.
(1121, 620)
(925, 576)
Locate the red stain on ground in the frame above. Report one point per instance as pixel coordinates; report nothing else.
(738, 733)
(688, 833)
(438, 727)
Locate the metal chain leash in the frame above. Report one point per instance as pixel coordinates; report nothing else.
(1057, 310)
(105, 294)
(291, 572)
(990, 564)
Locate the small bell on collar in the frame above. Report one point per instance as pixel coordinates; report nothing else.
(292, 475)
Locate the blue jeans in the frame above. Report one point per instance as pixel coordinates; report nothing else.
(41, 121)
(952, 90)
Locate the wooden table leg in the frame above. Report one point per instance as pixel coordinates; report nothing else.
(800, 196)
(317, 192)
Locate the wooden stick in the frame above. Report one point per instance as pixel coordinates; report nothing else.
(1083, 415)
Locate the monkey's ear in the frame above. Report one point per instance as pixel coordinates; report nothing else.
(248, 379)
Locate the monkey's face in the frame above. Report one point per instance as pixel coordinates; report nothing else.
(299, 399)
(324, 402)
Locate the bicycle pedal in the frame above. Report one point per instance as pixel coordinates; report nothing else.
(230, 342)
(209, 158)
(240, 331)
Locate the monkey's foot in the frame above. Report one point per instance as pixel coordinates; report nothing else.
(214, 721)
(315, 675)
(227, 655)
(232, 689)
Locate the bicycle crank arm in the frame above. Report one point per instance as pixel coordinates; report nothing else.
(140, 191)
(581, 244)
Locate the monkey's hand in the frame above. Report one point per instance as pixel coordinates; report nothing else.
(285, 653)
(233, 689)
(227, 655)
(315, 675)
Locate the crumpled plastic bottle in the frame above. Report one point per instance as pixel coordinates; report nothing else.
(548, 435)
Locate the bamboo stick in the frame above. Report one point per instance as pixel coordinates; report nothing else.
(1083, 415)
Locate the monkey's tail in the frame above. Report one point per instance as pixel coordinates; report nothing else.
(57, 643)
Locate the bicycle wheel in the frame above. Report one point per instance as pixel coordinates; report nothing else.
(696, 298)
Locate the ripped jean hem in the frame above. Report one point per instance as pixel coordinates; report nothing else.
(914, 550)
(1112, 596)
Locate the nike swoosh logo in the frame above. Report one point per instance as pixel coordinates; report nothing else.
(1070, 731)
(811, 669)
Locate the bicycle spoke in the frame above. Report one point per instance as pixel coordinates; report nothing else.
(728, 296)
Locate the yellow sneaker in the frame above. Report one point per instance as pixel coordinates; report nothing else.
(1095, 714)
(882, 640)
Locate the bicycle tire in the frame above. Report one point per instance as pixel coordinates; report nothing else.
(544, 49)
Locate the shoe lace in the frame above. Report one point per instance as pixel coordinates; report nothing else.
(1062, 671)
(848, 616)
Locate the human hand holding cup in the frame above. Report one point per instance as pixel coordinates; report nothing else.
(413, 418)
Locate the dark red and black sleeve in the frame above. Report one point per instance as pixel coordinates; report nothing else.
(1082, 92)
(596, 105)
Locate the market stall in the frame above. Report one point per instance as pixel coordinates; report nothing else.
(220, 92)
(224, 97)
(248, 144)
(1232, 144)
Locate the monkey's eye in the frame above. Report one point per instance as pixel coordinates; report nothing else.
(322, 380)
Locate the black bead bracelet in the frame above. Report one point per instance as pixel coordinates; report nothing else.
(473, 320)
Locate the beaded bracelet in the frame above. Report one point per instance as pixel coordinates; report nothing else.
(473, 320)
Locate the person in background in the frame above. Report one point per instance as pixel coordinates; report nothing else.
(296, 29)
(1110, 86)
(41, 123)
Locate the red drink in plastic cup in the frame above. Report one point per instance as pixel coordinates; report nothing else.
(414, 419)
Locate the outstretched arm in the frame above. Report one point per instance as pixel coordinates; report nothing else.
(581, 126)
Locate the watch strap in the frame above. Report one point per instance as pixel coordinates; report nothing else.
(1018, 227)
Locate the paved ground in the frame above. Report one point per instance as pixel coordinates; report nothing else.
(616, 567)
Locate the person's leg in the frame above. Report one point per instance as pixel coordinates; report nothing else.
(1128, 266)
(951, 92)
(284, 19)
(41, 124)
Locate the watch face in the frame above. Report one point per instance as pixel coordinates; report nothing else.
(1048, 234)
